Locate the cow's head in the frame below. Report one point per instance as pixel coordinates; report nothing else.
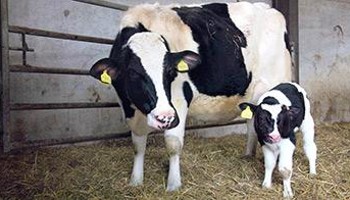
(143, 70)
(272, 122)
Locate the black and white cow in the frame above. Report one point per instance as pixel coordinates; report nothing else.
(279, 113)
(173, 62)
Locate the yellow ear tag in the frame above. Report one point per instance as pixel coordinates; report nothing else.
(247, 113)
(105, 78)
(182, 66)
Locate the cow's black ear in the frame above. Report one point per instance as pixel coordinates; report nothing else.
(186, 60)
(104, 70)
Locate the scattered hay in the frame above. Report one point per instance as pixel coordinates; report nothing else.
(211, 169)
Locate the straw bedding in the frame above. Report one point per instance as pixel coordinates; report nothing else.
(211, 169)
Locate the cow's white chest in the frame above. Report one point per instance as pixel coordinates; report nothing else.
(219, 109)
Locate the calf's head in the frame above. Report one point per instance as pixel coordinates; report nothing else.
(142, 72)
(272, 122)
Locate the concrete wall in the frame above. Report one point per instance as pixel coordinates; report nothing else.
(324, 43)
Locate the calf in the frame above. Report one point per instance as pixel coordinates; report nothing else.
(278, 115)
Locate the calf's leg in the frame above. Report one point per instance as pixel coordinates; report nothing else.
(139, 142)
(308, 130)
(270, 159)
(285, 167)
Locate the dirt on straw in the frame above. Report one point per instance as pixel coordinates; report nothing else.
(211, 169)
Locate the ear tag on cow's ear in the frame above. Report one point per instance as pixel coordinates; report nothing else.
(182, 66)
(105, 78)
(247, 113)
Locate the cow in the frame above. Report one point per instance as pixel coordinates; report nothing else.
(279, 113)
(173, 62)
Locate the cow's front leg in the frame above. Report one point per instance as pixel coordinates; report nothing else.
(174, 145)
(174, 139)
(139, 142)
(252, 140)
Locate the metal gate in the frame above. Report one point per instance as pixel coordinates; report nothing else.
(33, 115)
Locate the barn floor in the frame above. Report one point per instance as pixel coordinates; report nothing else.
(211, 169)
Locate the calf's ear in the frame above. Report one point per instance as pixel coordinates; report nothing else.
(104, 70)
(293, 112)
(186, 60)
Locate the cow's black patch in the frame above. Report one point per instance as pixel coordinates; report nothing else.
(222, 70)
(297, 100)
(287, 42)
(133, 86)
(187, 93)
(218, 8)
(270, 101)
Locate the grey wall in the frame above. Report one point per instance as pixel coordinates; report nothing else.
(324, 41)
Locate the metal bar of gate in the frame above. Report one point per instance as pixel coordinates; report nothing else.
(106, 4)
(5, 82)
(58, 35)
(36, 69)
(50, 106)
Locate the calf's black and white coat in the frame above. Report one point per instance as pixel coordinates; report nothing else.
(279, 114)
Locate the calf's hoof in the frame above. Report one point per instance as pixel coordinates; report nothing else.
(173, 187)
(266, 185)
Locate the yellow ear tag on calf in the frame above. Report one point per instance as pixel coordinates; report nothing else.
(247, 113)
(105, 78)
(182, 66)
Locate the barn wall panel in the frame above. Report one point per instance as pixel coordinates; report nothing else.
(37, 125)
(53, 88)
(325, 57)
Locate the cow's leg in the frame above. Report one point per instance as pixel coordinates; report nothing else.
(308, 130)
(252, 140)
(140, 148)
(270, 159)
(285, 167)
(174, 142)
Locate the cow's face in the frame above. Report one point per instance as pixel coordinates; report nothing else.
(143, 71)
(272, 122)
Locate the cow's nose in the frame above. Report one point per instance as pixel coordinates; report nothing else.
(167, 121)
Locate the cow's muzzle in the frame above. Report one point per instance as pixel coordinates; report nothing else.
(163, 120)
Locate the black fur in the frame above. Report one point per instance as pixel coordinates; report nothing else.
(222, 70)
(132, 75)
(187, 93)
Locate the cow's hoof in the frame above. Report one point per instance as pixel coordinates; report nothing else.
(173, 187)
(136, 182)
